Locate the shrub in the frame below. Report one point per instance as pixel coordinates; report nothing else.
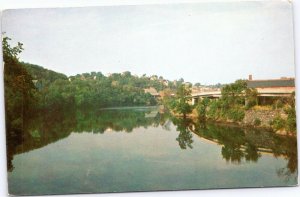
(278, 123)
(278, 104)
(257, 122)
(291, 124)
(214, 109)
(251, 98)
(202, 108)
(236, 114)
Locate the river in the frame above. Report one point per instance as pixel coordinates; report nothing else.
(140, 149)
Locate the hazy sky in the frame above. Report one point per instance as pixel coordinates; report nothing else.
(203, 42)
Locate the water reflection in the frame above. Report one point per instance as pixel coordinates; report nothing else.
(246, 143)
(185, 137)
(238, 144)
(48, 127)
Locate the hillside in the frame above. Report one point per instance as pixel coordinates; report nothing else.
(42, 74)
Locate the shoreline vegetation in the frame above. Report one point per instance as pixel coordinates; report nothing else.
(238, 105)
(31, 89)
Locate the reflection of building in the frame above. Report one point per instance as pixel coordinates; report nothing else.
(152, 91)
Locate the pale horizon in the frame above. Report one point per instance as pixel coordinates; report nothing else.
(208, 43)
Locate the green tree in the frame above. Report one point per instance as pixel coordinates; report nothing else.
(291, 122)
(233, 99)
(202, 108)
(233, 93)
(19, 89)
(215, 109)
(251, 97)
(182, 95)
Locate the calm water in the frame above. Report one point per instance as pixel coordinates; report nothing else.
(141, 150)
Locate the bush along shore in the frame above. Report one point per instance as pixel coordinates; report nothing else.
(238, 105)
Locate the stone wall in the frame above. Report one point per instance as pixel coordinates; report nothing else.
(265, 116)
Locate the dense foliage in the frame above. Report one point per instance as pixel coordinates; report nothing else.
(19, 89)
(201, 108)
(51, 90)
(236, 98)
(42, 77)
(231, 104)
(291, 122)
(89, 89)
(181, 104)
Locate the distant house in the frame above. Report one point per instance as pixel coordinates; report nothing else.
(152, 91)
(269, 88)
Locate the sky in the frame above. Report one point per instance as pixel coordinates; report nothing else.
(212, 42)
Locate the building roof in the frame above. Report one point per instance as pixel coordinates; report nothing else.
(289, 82)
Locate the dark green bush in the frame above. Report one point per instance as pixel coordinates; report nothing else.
(202, 108)
(257, 122)
(291, 124)
(236, 114)
(214, 109)
(278, 123)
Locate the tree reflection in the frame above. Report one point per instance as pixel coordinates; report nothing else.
(238, 144)
(43, 128)
(290, 171)
(232, 153)
(251, 153)
(248, 144)
(185, 137)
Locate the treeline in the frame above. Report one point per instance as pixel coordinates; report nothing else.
(49, 89)
(94, 89)
(30, 88)
(96, 93)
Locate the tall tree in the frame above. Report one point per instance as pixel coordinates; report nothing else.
(182, 95)
(19, 94)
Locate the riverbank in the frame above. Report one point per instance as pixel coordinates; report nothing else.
(254, 118)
